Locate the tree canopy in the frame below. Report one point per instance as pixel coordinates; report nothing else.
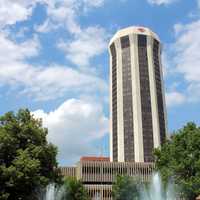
(179, 159)
(27, 160)
(126, 188)
(75, 190)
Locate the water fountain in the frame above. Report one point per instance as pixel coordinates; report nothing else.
(53, 193)
(156, 191)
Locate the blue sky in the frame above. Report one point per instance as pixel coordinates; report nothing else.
(54, 61)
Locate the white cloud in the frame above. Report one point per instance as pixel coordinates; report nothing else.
(187, 48)
(185, 62)
(161, 2)
(22, 32)
(10, 51)
(165, 64)
(86, 42)
(90, 42)
(13, 11)
(73, 127)
(45, 83)
(193, 91)
(178, 28)
(186, 59)
(93, 3)
(175, 98)
(41, 82)
(62, 11)
(65, 12)
(45, 27)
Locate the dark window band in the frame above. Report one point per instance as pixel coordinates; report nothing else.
(158, 80)
(145, 99)
(114, 102)
(127, 100)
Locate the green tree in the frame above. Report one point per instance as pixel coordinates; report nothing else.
(27, 160)
(179, 159)
(75, 190)
(126, 188)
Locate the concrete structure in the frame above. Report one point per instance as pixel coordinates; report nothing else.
(137, 102)
(98, 174)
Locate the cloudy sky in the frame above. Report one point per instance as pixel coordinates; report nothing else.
(54, 61)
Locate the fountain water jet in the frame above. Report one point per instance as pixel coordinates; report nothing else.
(156, 190)
(53, 192)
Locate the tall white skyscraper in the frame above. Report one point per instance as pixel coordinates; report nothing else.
(137, 101)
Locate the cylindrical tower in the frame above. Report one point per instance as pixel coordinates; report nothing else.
(137, 101)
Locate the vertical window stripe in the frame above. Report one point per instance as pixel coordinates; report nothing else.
(158, 80)
(145, 99)
(127, 100)
(114, 102)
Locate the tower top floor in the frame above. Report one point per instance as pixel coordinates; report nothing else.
(134, 30)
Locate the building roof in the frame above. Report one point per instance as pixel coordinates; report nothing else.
(133, 30)
(93, 158)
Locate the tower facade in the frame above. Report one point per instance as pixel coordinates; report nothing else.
(137, 102)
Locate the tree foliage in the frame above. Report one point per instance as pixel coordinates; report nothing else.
(126, 188)
(27, 160)
(75, 190)
(179, 159)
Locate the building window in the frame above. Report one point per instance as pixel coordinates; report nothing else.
(127, 100)
(156, 55)
(114, 101)
(145, 99)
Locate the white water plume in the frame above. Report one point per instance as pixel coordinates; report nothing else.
(53, 192)
(156, 190)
